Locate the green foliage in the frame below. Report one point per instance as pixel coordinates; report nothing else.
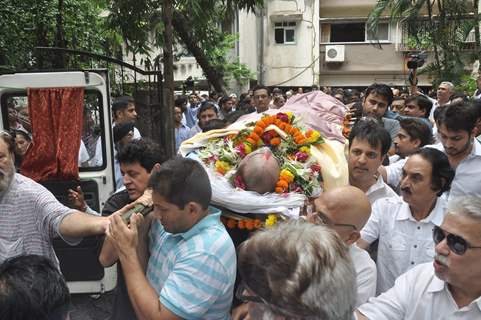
(444, 32)
(30, 23)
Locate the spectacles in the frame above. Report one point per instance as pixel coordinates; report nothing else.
(241, 294)
(455, 243)
(320, 217)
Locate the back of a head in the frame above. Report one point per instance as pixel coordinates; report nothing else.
(121, 130)
(180, 181)
(144, 151)
(372, 131)
(301, 270)
(32, 288)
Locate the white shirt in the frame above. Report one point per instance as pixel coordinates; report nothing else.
(419, 295)
(83, 155)
(394, 172)
(467, 180)
(404, 242)
(365, 274)
(380, 190)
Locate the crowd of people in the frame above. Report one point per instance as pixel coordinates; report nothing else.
(401, 241)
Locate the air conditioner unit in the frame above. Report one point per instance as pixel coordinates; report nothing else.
(335, 53)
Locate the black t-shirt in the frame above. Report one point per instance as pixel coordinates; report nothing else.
(122, 307)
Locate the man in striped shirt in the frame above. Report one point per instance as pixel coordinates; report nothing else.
(30, 216)
(191, 270)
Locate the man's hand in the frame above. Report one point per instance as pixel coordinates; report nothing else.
(125, 238)
(76, 199)
(146, 198)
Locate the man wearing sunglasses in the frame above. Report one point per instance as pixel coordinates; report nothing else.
(404, 226)
(449, 287)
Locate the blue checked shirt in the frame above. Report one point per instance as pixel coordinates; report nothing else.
(194, 272)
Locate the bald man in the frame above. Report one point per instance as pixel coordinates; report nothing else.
(346, 210)
(260, 171)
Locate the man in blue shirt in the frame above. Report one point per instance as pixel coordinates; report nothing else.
(191, 270)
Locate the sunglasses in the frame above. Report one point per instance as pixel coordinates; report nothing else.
(455, 243)
(321, 218)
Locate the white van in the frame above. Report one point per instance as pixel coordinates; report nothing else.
(79, 264)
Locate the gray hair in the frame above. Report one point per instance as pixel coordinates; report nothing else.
(450, 85)
(300, 270)
(467, 205)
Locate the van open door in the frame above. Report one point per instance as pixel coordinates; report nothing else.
(79, 264)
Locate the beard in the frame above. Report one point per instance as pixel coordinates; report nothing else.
(464, 149)
(6, 176)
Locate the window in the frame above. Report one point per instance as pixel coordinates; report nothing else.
(285, 32)
(352, 32)
(93, 123)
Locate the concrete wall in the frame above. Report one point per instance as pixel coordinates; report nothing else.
(291, 64)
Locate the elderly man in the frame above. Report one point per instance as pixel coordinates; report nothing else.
(30, 216)
(296, 270)
(191, 265)
(443, 95)
(346, 210)
(449, 287)
(404, 227)
(368, 146)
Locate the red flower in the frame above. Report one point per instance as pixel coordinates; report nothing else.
(241, 150)
(301, 156)
(316, 167)
(283, 117)
(268, 136)
(239, 183)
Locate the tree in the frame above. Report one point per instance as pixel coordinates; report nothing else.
(445, 24)
(196, 25)
(27, 24)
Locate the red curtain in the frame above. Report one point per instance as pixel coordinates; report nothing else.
(56, 116)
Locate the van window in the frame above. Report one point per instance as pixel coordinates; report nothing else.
(92, 148)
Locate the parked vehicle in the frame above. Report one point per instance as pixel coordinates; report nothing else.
(78, 263)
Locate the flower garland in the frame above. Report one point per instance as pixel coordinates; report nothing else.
(346, 126)
(249, 224)
(288, 141)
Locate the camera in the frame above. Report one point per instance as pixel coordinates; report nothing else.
(416, 60)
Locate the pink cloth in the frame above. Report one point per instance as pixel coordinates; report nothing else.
(317, 110)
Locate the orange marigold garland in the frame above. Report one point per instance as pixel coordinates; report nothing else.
(288, 142)
(238, 222)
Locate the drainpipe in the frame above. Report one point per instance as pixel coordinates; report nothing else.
(260, 44)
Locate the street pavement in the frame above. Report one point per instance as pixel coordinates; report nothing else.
(91, 307)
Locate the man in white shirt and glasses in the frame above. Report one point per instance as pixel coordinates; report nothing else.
(449, 287)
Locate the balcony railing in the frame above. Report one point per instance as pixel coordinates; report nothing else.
(417, 37)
